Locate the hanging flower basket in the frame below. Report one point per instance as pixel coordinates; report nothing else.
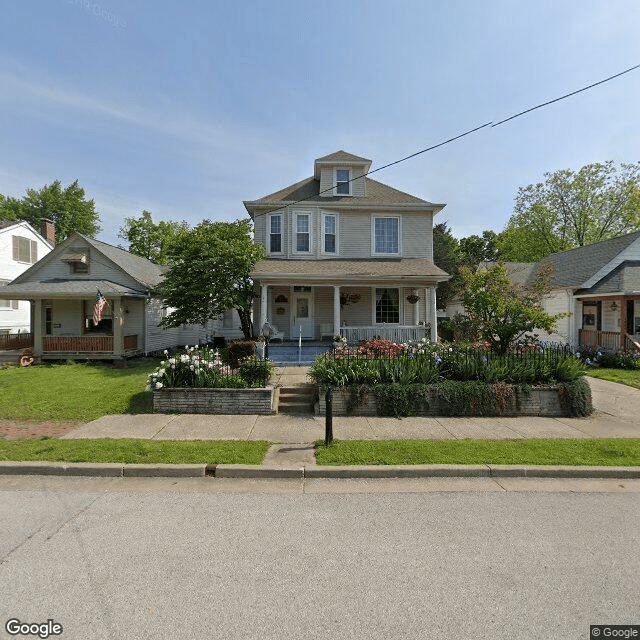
(413, 298)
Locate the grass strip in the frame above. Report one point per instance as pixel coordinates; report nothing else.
(616, 452)
(630, 377)
(135, 451)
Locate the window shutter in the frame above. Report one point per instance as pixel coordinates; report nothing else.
(34, 251)
(16, 250)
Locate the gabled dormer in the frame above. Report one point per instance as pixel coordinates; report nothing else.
(341, 174)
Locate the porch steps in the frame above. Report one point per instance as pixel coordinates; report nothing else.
(298, 399)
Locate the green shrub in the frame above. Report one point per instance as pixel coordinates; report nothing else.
(568, 369)
(240, 350)
(256, 373)
(401, 400)
(575, 396)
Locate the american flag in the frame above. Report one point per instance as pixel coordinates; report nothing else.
(101, 301)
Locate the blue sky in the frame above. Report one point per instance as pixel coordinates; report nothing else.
(188, 108)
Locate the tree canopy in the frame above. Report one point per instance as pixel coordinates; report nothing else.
(210, 272)
(571, 209)
(67, 207)
(501, 312)
(151, 240)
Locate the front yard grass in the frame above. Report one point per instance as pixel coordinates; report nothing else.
(75, 392)
(135, 451)
(630, 377)
(616, 452)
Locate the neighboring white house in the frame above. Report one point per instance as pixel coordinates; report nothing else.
(63, 286)
(20, 247)
(346, 255)
(598, 284)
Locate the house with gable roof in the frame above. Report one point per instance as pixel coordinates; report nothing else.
(62, 288)
(598, 284)
(20, 247)
(346, 255)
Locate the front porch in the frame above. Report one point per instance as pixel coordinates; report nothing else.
(610, 323)
(100, 347)
(307, 312)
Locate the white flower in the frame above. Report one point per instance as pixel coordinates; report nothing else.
(158, 385)
(192, 367)
(166, 353)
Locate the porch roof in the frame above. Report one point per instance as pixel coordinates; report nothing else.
(413, 270)
(65, 288)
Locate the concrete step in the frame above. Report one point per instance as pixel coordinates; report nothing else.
(298, 399)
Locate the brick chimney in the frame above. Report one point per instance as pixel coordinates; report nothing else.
(48, 231)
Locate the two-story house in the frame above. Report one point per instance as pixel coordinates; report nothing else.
(346, 255)
(20, 247)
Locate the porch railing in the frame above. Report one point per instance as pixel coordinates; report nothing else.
(16, 341)
(78, 344)
(609, 340)
(395, 333)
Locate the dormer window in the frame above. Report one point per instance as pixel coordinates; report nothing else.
(77, 260)
(343, 182)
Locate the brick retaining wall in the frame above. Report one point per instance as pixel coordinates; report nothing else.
(542, 401)
(215, 401)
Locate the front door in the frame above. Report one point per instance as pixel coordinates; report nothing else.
(302, 315)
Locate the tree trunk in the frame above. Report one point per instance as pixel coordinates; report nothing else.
(245, 323)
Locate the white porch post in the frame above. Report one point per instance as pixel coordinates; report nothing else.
(263, 306)
(37, 328)
(336, 310)
(118, 341)
(416, 311)
(433, 315)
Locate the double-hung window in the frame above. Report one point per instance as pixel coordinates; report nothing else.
(7, 304)
(386, 236)
(387, 305)
(329, 233)
(275, 233)
(24, 250)
(343, 182)
(303, 232)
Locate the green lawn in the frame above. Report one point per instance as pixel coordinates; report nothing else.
(630, 377)
(577, 452)
(135, 451)
(75, 392)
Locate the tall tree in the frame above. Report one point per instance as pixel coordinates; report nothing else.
(502, 312)
(572, 209)
(210, 272)
(67, 207)
(447, 256)
(151, 240)
(476, 249)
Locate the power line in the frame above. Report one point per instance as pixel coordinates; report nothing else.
(466, 133)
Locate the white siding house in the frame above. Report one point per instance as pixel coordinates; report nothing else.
(346, 255)
(63, 285)
(20, 247)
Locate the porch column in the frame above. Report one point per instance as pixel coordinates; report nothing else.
(433, 315)
(263, 306)
(118, 340)
(416, 311)
(37, 328)
(336, 311)
(622, 303)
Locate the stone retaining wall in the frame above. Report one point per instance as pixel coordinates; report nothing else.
(215, 401)
(541, 401)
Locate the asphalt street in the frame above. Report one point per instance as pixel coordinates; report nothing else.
(157, 559)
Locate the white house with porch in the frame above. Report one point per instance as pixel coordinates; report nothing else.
(346, 255)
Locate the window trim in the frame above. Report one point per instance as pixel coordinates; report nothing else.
(323, 233)
(349, 182)
(294, 232)
(269, 234)
(375, 310)
(373, 235)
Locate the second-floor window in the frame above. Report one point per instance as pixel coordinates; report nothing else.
(275, 234)
(386, 236)
(24, 250)
(330, 234)
(303, 240)
(343, 186)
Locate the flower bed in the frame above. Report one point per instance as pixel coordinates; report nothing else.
(198, 381)
(384, 378)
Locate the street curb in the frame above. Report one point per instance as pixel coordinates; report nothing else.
(114, 470)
